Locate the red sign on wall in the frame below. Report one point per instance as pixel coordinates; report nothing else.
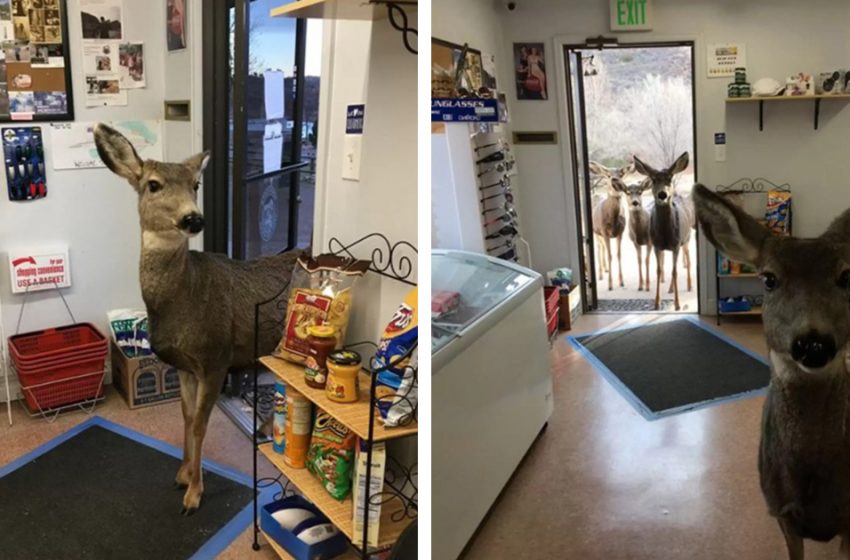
(39, 269)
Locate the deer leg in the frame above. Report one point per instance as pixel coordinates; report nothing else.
(687, 256)
(675, 280)
(648, 252)
(208, 389)
(600, 256)
(659, 263)
(610, 270)
(188, 392)
(620, 259)
(639, 251)
(794, 542)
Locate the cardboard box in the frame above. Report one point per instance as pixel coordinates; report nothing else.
(570, 309)
(145, 380)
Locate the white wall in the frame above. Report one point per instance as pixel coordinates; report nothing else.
(782, 37)
(93, 211)
(367, 63)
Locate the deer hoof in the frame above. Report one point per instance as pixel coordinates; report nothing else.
(191, 500)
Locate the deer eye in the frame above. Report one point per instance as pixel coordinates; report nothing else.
(769, 280)
(844, 280)
(197, 186)
(154, 186)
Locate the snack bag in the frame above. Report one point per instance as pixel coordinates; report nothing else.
(331, 455)
(400, 335)
(130, 331)
(396, 395)
(320, 295)
(778, 214)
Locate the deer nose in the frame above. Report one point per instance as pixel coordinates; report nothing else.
(635, 203)
(662, 195)
(813, 350)
(193, 223)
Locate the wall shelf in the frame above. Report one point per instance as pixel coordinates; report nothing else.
(762, 100)
(339, 9)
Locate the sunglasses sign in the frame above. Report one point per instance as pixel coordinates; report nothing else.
(631, 15)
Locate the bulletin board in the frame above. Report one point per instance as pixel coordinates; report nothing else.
(35, 64)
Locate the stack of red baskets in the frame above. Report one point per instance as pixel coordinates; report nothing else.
(59, 366)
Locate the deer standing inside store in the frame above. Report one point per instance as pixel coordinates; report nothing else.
(805, 444)
(200, 305)
(638, 225)
(609, 219)
(670, 223)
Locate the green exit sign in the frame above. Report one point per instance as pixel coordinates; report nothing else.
(631, 15)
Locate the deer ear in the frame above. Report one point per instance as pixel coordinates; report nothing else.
(732, 231)
(599, 169)
(198, 162)
(618, 184)
(117, 153)
(680, 164)
(643, 168)
(839, 230)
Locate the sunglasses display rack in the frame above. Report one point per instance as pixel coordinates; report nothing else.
(495, 165)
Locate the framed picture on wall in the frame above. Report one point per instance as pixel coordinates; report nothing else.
(530, 71)
(35, 63)
(175, 24)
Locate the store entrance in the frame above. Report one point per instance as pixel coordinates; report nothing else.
(629, 100)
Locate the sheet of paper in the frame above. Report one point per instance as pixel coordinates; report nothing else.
(131, 65)
(104, 92)
(100, 58)
(272, 147)
(102, 19)
(73, 142)
(274, 94)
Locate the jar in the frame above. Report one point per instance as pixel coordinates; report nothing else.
(299, 416)
(740, 75)
(343, 376)
(321, 341)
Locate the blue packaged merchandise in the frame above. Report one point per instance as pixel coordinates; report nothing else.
(279, 420)
(23, 152)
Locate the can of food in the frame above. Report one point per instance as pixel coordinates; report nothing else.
(321, 342)
(744, 90)
(343, 376)
(279, 419)
(732, 90)
(740, 75)
(298, 420)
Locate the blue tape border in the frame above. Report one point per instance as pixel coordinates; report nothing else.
(633, 399)
(216, 544)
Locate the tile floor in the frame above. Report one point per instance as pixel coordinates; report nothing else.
(603, 483)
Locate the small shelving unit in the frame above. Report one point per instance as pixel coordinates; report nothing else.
(762, 100)
(747, 187)
(339, 9)
(398, 497)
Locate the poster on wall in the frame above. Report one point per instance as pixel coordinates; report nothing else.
(175, 24)
(724, 58)
(73, 143)
(35, 77)
(102, 19)
(44, 268)
(530, 71)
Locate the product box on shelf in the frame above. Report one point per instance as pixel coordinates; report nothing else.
(299, 549)
(144, 380)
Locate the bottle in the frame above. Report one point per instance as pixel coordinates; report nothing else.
(321, 341)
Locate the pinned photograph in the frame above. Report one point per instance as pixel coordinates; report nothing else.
(176, 24)
(22, 28)
(36, 18)
(5, 10)
(52, 34)
(17, 53)
(51, 102)
(19, 8)
(20, 81)
(47, 55)
(530, 69)
(102, 19)
(21, 102)
(4, 100)
(131, 61)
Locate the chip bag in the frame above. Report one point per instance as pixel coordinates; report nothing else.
(396, 386)
(320, 295)
(778, 214)
(331, 455)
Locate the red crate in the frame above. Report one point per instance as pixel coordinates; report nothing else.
(59, 366)
(552, 325)
(56, 342)
(551, 297)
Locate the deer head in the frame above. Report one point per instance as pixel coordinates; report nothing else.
(609, 174)
(633, 192)
(662, 181)
(168, 192)
(806, 282)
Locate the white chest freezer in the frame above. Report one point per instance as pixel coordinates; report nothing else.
(491, 387)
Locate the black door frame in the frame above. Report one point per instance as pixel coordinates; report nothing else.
(600, 44)
(224, 212)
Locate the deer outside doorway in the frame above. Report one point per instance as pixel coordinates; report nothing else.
(632, 101)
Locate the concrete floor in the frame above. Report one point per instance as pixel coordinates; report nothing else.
(224, 443)
(603, 483)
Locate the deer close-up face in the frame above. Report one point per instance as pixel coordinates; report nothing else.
(806, 283)
(168, 192)
(633, 192)
(662, 181)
